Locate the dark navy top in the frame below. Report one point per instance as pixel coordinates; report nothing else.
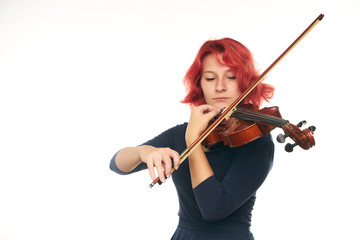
(220, 207)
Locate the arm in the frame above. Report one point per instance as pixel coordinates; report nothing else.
(250, 166)
(200, 168)
(127, 159)
(155, 153)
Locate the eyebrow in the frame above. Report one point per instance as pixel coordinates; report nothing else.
(229, 70)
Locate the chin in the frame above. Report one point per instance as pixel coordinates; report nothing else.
(221, 105)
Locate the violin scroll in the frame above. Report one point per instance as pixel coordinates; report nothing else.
(303, 138)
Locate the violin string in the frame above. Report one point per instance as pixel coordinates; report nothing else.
(264, 117)
(258, 116)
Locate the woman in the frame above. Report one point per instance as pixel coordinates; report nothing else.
(216, 190)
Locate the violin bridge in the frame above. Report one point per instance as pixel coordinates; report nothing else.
(228, 115)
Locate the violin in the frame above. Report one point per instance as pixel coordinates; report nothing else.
(247, 123)
(232, 131)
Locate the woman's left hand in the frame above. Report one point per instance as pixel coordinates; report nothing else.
(199, 120)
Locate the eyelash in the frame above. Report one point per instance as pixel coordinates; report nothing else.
(211, 79)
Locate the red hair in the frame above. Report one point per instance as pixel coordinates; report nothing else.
(239, 59)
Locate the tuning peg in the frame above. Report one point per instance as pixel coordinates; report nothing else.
(290, 147)
(312, 128)
(281, 137)
(300, 124)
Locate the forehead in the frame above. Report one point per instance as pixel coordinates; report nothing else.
(213, 63)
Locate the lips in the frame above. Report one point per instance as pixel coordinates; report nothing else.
(220, 99)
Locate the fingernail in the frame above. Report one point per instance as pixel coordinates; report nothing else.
(168, 175)
(163, 179)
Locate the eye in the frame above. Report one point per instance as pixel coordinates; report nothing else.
(210, 79)
(231, 77)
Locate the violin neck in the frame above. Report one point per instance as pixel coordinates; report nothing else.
(256, 116)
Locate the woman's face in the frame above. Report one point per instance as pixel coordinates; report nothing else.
(218, 83)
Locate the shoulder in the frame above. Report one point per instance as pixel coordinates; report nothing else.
(179, 129)
(258, 154)
(176, 131)
(263, 145)
(168, 137)
(176, 128)
(252, 163)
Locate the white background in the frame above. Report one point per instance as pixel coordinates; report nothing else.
(82, 79)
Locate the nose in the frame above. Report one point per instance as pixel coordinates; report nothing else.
(220, 85)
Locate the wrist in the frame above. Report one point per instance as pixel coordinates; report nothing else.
(190, 138)
(143, 151)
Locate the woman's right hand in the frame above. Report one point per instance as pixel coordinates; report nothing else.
(160, 159)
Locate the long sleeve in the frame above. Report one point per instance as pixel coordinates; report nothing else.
(114, 168)
(218, 198)
(165, 139)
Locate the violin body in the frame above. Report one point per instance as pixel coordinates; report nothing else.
(248, 123)
(236, 132)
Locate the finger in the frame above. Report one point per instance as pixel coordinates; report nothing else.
(150, 165)
(211, 114)
(167, 165)
(159, 169)
(176, 159)
(208, 108)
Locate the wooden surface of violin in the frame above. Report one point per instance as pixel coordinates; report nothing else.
(248, 123)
